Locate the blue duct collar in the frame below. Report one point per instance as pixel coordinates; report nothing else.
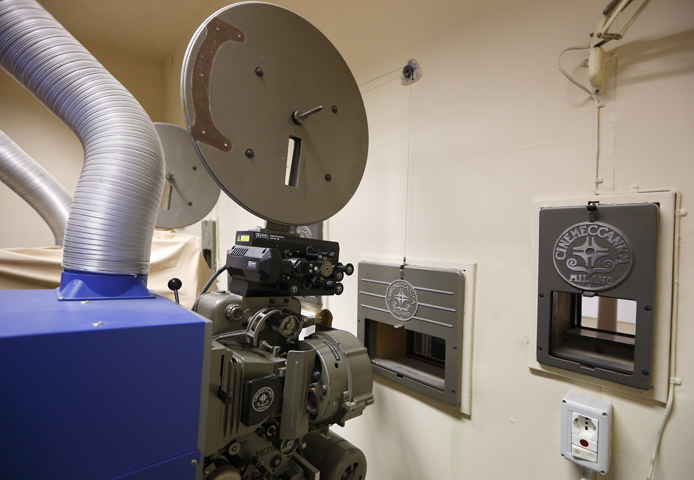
(101, 286)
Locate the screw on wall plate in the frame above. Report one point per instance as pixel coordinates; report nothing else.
(410, 72)
(259, 71)
(250, 153)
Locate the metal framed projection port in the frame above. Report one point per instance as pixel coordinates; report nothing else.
(414, 323)
(604, 290)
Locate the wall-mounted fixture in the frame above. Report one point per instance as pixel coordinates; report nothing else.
(410, 72)
(586, 432)
(604, 253)
(597, 57)
(604, 289)
(413, 320)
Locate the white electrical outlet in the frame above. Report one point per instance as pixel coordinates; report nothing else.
(586, 431)
(583, 426)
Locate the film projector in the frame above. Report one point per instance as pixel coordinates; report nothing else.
(278, 122)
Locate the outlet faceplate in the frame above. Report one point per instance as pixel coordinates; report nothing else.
(586, 431)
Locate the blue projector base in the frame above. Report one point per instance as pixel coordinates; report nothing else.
(103, 389)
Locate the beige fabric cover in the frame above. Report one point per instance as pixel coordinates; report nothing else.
(174, 254)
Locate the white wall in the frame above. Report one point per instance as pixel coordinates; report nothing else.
(455, 163)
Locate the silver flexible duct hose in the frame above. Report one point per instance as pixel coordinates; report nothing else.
(117, 199)
(35, 185)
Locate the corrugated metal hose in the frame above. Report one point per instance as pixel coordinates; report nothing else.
(35, 185)
(115, 206)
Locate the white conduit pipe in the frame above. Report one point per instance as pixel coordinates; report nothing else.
(35, 185)
(115, 207)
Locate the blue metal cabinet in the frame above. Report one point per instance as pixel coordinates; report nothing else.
(100, 389)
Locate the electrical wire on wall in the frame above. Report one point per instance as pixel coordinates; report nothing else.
(367, 86)
(598, 105)
(587, 474)
(599, 38)
(409, 161)
(407, 75)
(363, 86)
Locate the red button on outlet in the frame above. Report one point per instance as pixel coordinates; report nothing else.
(584, 443)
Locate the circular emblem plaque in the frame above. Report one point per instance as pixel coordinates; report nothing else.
(263, 399)
(593, 256)
(401, 300)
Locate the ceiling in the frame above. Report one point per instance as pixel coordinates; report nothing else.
(152, 28)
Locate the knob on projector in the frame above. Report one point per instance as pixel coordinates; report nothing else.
(175, 285)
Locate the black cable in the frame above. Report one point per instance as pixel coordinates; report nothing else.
(207, 285)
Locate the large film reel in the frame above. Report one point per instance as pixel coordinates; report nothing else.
(189, 192)
(274, 113)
